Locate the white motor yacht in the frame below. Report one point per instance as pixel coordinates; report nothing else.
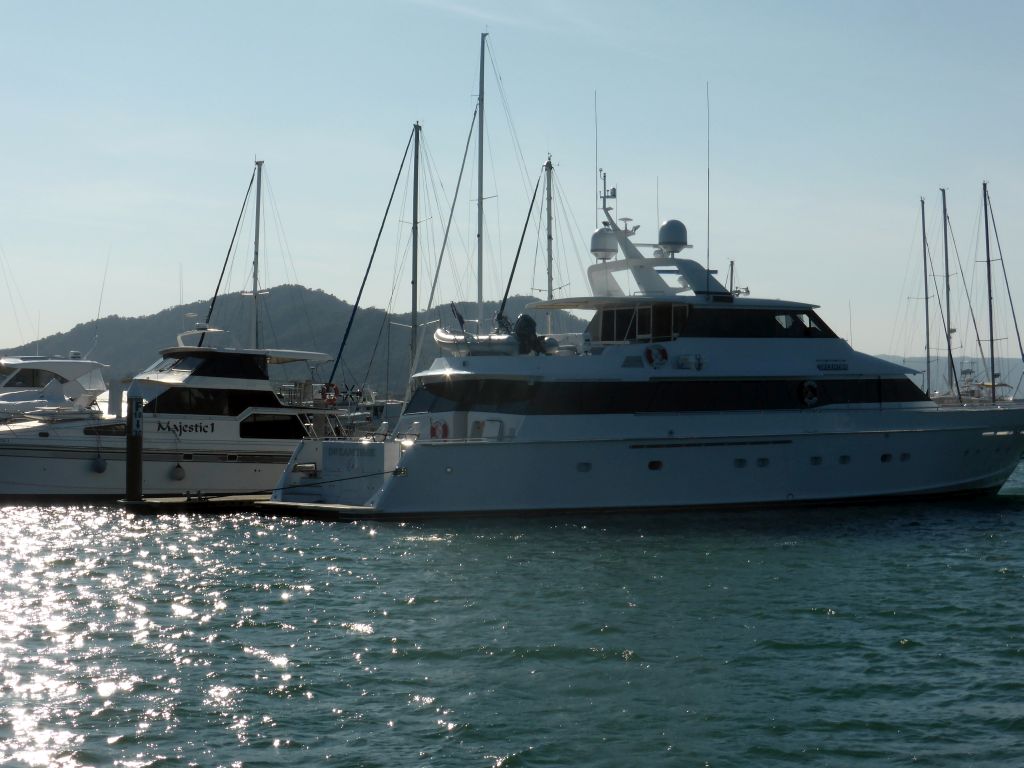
(213, 423)
(679, 394)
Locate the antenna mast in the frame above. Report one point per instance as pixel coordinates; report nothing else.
(707, 238)
(597, 170)
(547, 181)
(949, 316)
(415, 243)
(256, 261)
(480, 194)
(988, 270)
(927, 332)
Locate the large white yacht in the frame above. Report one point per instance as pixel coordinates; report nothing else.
(213, 423)
(679, 394)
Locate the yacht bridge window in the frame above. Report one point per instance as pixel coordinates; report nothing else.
(210, 402)
(222, 365)
(663, 322)
(28, 377)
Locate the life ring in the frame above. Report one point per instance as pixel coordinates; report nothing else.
(809, 393)
(329, 393)
(439, 429)
(656, 355)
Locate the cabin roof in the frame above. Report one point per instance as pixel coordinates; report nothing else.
(611, 302)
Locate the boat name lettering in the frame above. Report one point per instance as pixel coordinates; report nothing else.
(179, 428)
(833, 365)
(347, 450)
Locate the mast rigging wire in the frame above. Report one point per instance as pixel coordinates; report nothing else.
(1006, 279)
(231, 247)
(355, 307)
(501, 322)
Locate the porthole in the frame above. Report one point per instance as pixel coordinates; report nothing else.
(886, 458)
(816, 461)
(739, 463)
(583, 466)
(762, 462)
(844, 459)
(904, 457)
(654, 465)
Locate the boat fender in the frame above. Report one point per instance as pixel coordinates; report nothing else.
(656, 355)
(329, 393)
(99, 465)
(809, 393)
(177, 472)
(439, 429)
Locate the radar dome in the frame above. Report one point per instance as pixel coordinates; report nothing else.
(603, 244)
(672, 236)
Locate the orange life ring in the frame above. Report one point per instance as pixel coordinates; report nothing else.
(439, 429)
(329, 393)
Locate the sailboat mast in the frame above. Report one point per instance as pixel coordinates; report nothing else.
(547, 181)
(988, 272)
(415, 244)
(949, 316)
(927, 332)
(256, 260)
(480, 194)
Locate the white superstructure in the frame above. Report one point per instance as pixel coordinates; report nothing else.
(678, 394)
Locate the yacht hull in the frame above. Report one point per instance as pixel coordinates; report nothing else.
(66, 463)
(777, 458)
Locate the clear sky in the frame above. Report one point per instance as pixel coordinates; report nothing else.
(129, 129)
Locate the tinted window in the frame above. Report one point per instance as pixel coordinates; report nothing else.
(272, 426)
(663, 322)
(234, 366)
(656, 396)
(28, 377)
(115, 430)
(210, 402)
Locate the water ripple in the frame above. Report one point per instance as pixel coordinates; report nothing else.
(839, 636)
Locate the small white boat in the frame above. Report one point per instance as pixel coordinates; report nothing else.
(55, 385)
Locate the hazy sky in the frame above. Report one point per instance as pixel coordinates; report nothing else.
(129, 131)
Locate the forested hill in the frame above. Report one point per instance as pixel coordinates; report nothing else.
(293, 317)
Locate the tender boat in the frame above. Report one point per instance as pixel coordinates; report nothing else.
(679, 394)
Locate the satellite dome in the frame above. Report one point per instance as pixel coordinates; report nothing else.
(672, 236)
(603, 244)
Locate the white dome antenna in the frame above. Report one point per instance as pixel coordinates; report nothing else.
(603, 244)
(672, 236)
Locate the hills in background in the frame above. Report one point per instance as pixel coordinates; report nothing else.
(292, 317)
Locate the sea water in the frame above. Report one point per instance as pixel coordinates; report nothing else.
(877, 635)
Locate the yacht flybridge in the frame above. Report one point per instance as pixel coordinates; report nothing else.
(678, 394)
